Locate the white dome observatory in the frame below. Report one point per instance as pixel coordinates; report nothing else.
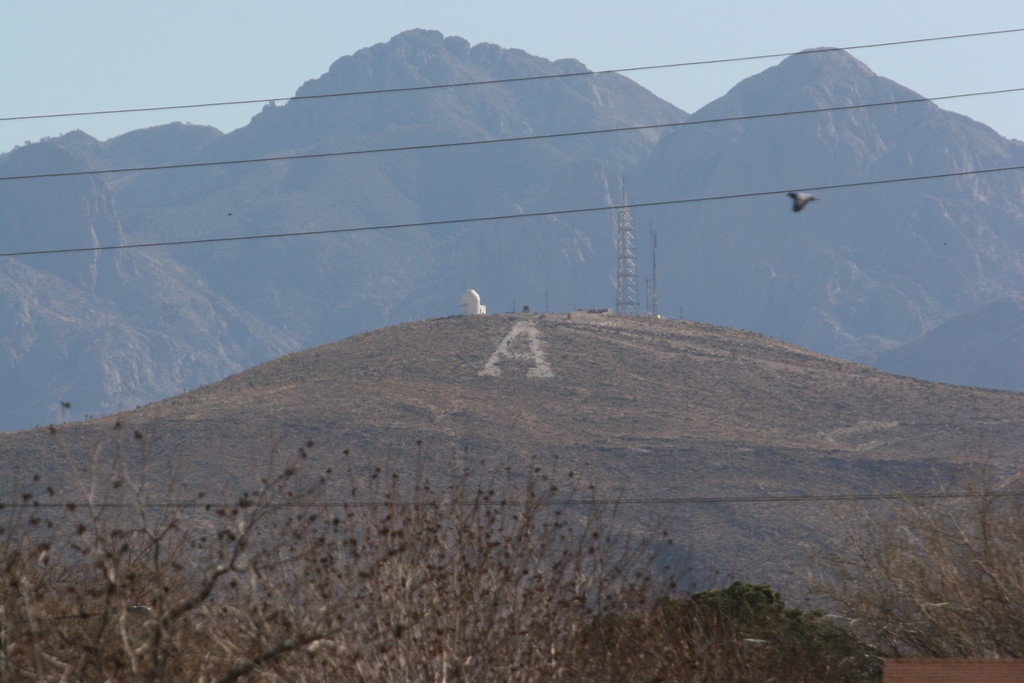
(470, 303)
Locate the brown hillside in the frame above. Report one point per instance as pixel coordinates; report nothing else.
(645, 408)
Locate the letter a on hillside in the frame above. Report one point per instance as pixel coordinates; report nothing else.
(533, 352)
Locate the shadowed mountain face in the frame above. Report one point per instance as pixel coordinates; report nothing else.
(645, 409)
(102, 330)
(984, 347)
(862, 270)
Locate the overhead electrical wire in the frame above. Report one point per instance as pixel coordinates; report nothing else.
(571, 74)
(522, 138)
(483, 219)
(572, 502)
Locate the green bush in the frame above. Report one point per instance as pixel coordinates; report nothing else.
(741, 633)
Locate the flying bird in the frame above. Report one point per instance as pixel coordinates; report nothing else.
(801, 199)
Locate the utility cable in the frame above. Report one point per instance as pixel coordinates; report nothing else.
(574, 502)
(570, 74)
(523, 138)
(482, 219)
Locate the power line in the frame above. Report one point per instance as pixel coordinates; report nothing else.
(572, 502)
(482, 219)
(523, 138)
(570, 74)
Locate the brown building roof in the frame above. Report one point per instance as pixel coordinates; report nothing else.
(953, 671)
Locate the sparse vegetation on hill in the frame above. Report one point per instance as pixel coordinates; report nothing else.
(645, 408)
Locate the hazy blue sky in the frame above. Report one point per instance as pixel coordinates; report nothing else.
(67, 55)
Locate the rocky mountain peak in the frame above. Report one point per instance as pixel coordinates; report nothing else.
(425, 57)
(873, 265)
(421, 58)
(815, 78)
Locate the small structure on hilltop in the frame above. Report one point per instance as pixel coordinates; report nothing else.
(470, 303)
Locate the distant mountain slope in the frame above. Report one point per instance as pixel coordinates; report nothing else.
(103, 330)
(863, 268)
(984, 347)
(643, 408)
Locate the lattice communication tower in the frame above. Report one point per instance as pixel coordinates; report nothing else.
(626, 291)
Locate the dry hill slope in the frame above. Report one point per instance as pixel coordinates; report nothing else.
(645, 408)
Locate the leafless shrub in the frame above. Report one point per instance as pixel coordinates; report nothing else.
(357, 575)
(940, 577)
(352, 577)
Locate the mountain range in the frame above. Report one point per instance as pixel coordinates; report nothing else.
(866, 269)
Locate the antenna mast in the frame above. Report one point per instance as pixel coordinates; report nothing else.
(626, 296)
(653, 295)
